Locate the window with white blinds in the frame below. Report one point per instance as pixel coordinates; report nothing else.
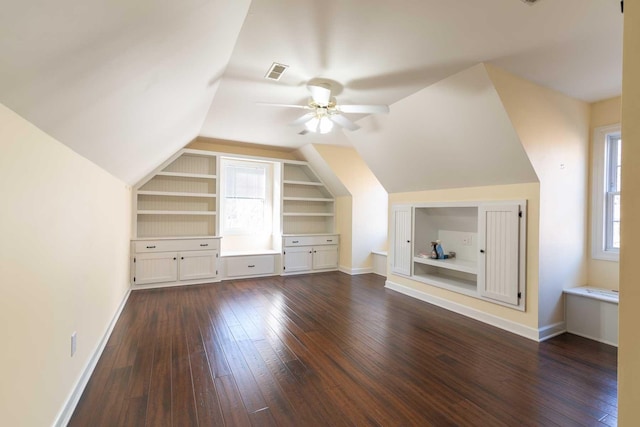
(246, 197)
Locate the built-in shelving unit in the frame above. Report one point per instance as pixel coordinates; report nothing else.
(308, 206)
(180, 200)
(488, 239)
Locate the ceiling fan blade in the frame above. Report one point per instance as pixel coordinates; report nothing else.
(363, 109)
(343, 122)
(267, 104)
(321, 94)
(302, 119)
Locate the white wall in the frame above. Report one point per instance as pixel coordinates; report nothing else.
(64, 231)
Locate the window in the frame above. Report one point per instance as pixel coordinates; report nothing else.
(607, 156)
(247, 197)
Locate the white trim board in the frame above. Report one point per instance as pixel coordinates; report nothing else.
(74, 397)
(355, 271)
(507, 325)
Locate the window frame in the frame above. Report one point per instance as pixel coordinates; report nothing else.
(601, 196)
(268, 197)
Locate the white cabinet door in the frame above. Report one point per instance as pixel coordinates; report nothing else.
(155, 268)
(498, 243)
(198, 265)
(401, 246)
(325, 257)
(297, 259)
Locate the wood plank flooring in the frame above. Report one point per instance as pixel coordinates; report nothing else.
(334, 350)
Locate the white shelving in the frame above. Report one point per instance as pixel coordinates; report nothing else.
(179, 200)
(488, 239)
(454, 264)
(308, 206)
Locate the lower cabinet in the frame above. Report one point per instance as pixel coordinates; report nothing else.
(307, 254)
(174, 261)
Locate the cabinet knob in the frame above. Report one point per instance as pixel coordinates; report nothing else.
(174, 258)
(408, 241)
(181, 257)
(481, 251)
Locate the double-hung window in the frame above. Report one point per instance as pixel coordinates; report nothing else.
(247, 198)
(607, 156)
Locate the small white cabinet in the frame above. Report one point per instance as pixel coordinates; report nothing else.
(310, 253)
(164, 262)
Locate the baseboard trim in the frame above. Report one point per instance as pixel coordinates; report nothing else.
(551, 331)
(355, 271)
(498, 322)
(65, 414)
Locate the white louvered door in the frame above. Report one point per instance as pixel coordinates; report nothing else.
(401, 256)
(498, 243)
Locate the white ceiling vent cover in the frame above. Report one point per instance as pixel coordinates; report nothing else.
(275, 71)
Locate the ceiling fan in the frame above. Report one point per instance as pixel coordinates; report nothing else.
(324, 111)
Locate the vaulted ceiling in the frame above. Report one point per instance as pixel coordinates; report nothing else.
(127, 83)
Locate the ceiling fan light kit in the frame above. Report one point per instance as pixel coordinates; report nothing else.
(324, 111)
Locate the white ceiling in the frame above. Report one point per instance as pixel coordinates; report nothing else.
(127, 83)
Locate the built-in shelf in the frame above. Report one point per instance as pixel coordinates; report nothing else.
(186, 175)
(175, 194)
(307, 199)
(197, 213)
(468, 287)
(454, 264)
(303, 183)
(307, 214)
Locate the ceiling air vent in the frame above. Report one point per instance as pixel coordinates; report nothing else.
(275, 71)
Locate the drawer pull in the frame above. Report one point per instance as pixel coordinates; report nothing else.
(295, 241)
(251, 266)
(329, 240)
(151, 247)
(204, 244)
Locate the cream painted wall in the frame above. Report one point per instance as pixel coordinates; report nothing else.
(240, 148)
(629, 344)
(529, 192)
(554, 130)
(344, 205)
(369, 209)
(64, 257)
(604, 274)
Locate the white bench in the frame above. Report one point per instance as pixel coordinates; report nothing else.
(592, 313)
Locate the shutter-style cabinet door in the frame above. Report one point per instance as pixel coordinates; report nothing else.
(401, 256)
(498, 243)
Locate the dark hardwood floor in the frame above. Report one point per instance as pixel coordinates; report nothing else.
(334, 350)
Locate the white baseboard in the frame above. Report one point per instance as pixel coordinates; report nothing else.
(507, 325)
(355, 271)
(72, 401)
(551, 331)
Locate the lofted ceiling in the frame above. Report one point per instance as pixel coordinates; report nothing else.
(127, 83)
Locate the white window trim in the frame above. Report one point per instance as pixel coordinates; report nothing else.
(269, 208)
(598, 206)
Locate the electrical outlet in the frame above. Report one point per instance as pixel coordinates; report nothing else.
(74, 342)
(467, 240)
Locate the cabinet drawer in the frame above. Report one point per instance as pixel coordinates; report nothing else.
(331, 239)
(250, 265)
(175, 245)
